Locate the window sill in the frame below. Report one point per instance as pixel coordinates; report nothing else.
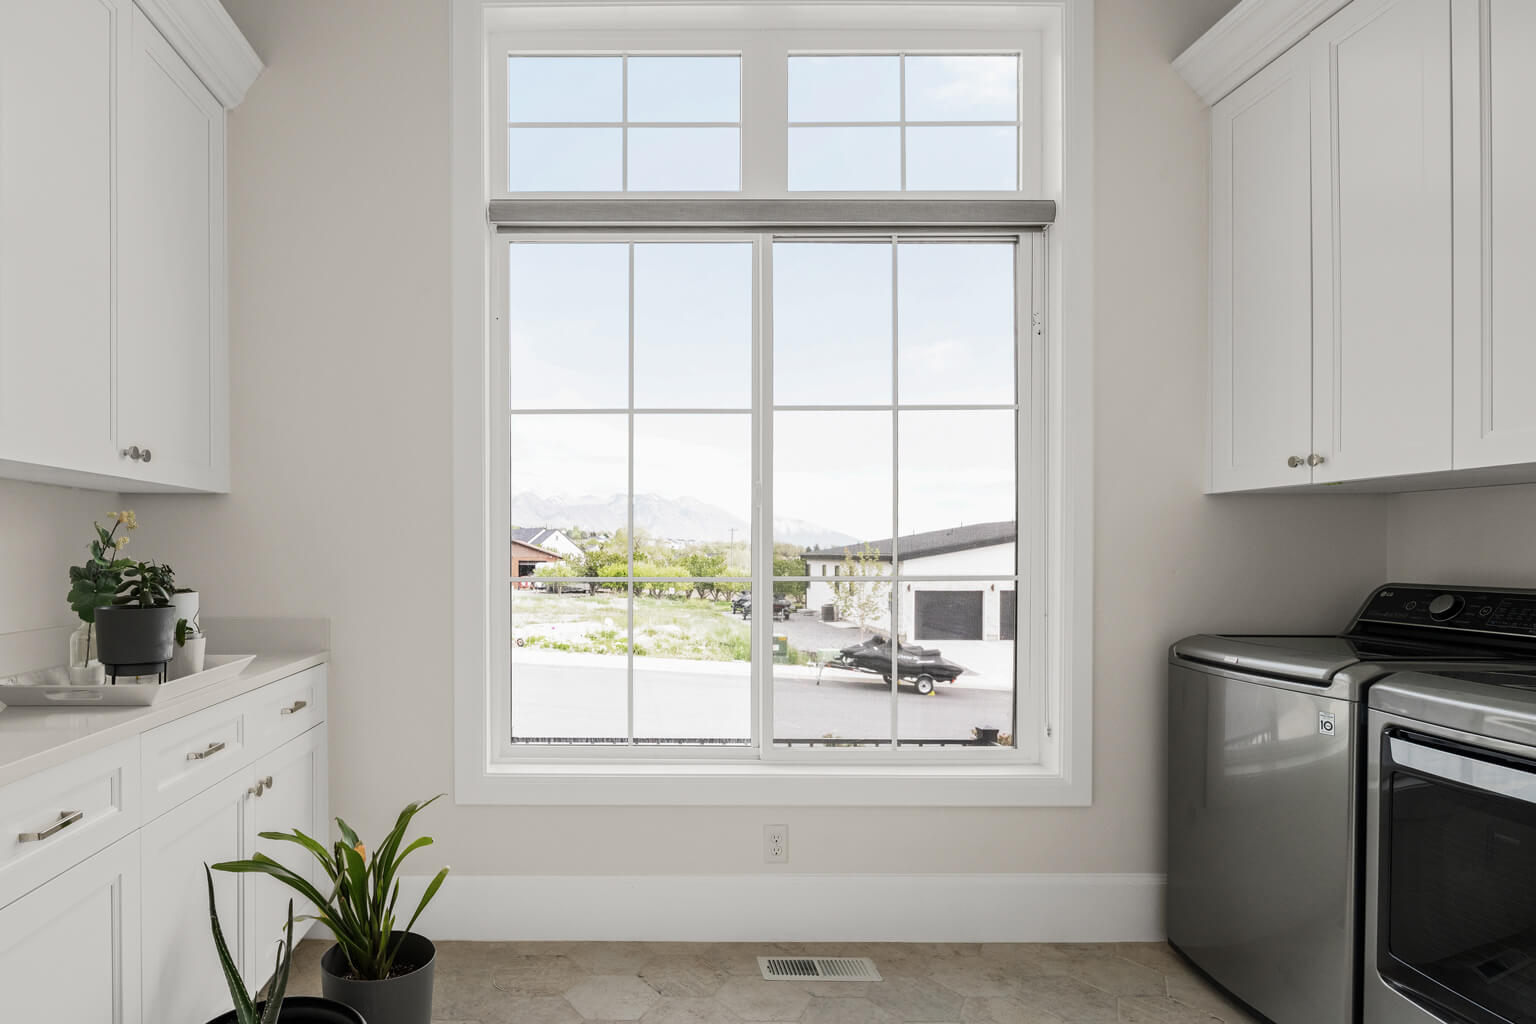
(758, 784)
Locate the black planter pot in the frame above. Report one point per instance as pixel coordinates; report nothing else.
(133, 641)
(306, 1010)
(403, 1000)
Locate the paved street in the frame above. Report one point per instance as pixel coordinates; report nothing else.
(562, 695)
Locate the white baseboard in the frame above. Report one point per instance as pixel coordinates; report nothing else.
(794, 908)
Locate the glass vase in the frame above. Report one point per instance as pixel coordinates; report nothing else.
(84, 669)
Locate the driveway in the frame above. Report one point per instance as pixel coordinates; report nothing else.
(582, 696)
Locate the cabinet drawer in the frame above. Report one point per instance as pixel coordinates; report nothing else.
(278, 712)
(186, 756)
(55, 819)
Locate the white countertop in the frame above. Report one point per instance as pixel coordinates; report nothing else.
(32, 739)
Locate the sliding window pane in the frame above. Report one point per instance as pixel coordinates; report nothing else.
(832, 482)
(845, 88)
(571, 473)
(693, 663)
(832, 323)
(693, 325)
(685, 89)
(555, 89)
(957, 489)
(956, 323)
(568, 325)
(972, 159)
(831, 672)
(563, 159)
(962, 88)
(956, 642)
(685, 159)
(693, 495)
(844, 159)
(570, 664)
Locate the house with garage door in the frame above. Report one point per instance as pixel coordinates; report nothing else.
(946, 603)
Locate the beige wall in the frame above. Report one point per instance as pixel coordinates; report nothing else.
(43, 531)
(340, 503)
(1484, 537)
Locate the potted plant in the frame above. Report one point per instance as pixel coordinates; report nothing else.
(277, 1008)
(93, 586)
(191, 648)
(135, 634)
(382, 972)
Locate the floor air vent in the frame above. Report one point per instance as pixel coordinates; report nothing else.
(818, 968)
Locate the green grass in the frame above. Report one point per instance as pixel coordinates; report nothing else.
(689, 628)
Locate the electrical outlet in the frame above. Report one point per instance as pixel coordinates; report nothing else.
(775, 844)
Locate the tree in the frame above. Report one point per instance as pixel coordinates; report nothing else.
(862, 602)
(787, 562)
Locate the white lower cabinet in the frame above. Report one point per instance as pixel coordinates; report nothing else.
(130, 920)
(182, 977)
(69, 949)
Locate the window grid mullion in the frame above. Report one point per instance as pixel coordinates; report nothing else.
(629, 510)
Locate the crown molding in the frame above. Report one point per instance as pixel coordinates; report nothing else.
(1252, 34)
(208, 39)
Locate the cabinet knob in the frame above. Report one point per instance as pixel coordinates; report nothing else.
(1315, 459)
(1295, 462)
(135, 453)
(144, 454)
(267, 782)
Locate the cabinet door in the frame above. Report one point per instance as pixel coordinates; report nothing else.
(171, 376)
(1495, 89)
(58, 89)
(1381, 138)
(182, 978)
(290, 801)
(69, 950)
(1261, 286)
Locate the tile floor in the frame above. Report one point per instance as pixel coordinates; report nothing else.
(719, 983)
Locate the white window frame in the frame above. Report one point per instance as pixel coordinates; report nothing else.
(1059, 771)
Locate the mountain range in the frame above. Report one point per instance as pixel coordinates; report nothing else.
(679, 519)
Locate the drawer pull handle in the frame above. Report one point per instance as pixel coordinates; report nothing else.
(66, 819)
(208, 751)
(298, 705)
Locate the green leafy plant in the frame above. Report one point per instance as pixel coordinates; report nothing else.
(96, 583)
(248, 1010)
(186, 631)
(146, 585)
(360, 910)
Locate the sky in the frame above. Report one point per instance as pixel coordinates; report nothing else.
(834, 345)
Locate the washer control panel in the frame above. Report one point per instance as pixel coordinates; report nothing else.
(1481, 611)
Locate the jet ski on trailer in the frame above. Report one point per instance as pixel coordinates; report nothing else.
(920, 666)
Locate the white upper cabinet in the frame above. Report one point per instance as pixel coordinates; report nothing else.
(1381, 245)
(1261, 280)
(58, 203)
(171, 375)
(113, 318)
(1495, 251)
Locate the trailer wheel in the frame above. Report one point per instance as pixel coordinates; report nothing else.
(924, 685)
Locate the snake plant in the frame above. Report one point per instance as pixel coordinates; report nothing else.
(247, 1010)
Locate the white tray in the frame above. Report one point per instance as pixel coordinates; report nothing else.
(50, 687)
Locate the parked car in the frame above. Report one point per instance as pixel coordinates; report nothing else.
(921, 666)
(782, 606)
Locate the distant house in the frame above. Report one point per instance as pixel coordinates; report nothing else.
(535, 546)
(550, 540)
(940, 609)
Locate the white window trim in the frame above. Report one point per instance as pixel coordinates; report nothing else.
(1064, 776)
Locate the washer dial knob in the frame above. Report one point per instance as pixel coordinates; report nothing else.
(1446, 606)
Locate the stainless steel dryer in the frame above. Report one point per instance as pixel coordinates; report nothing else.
(1264, 787)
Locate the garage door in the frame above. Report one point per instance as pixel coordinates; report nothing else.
(948, 614)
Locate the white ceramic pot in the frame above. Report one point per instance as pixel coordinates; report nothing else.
(187, 660)
(92, 673)
(188, 606)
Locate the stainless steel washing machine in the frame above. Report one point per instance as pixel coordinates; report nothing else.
(1265, 794)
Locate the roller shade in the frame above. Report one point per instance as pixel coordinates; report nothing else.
(776, 214)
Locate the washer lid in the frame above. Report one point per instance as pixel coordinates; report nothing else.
(1306, 659)
(1498, 705)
